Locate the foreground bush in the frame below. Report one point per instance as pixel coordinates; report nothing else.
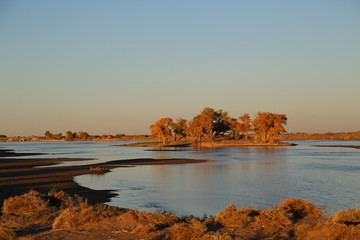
(348, 217)
(75, 217)
(30, 204)
(189, 229)
(145, 222)
(298, 208)
(232, 217)
(292, 219)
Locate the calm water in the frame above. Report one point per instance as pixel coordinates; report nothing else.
(249, 176)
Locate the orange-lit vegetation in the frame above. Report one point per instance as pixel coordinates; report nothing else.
(269, 125)
(34, 214)
(211, 125)
(321, 136)
(162, 129)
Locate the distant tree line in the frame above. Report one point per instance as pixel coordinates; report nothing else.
(212, 124)
(84, 136)
(68, 135)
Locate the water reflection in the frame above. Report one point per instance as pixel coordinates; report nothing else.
(233, 175)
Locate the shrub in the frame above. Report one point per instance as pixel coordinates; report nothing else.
(67, 201)
(273, 220)
(139, 222)
(145, 223)
(76, 217)
(298, 208)
(341, 232)
(231, 217)
(30, 204)
(191, 229)
(348, 217)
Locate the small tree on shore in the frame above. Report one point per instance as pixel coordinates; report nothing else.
(179, 129)
(58, 136)
(245, 125)
(82, 135)
(69, 136)
(200, 127)
(48, 134)
(221, 123)
(162, 129)
(269, 125)
(234, 126)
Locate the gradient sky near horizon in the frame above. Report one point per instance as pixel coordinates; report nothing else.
(118, 66)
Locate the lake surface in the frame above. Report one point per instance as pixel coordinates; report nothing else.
(247, 176)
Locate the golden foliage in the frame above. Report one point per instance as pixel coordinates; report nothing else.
(200, 126)
(162, 129)
(213, 124)
(268, 125)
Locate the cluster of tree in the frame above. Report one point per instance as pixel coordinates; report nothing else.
(68, 135)
(210, 124)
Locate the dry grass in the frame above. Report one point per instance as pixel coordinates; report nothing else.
(63, 200)
(145, 222)
(274, 223)
(76, 217)
(231, 217)
(190, 229)
(108, 211)
(292, 219)
(325, 229)
(341, 232)
(298, 208)
(30, 204)
(7, 233)
(348, 217)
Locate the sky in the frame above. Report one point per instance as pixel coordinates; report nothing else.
(109, 67)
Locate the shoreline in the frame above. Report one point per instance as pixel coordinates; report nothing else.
(292, 218)
(18, 176)
(207, 144)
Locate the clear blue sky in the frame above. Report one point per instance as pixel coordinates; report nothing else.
(118, 66)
